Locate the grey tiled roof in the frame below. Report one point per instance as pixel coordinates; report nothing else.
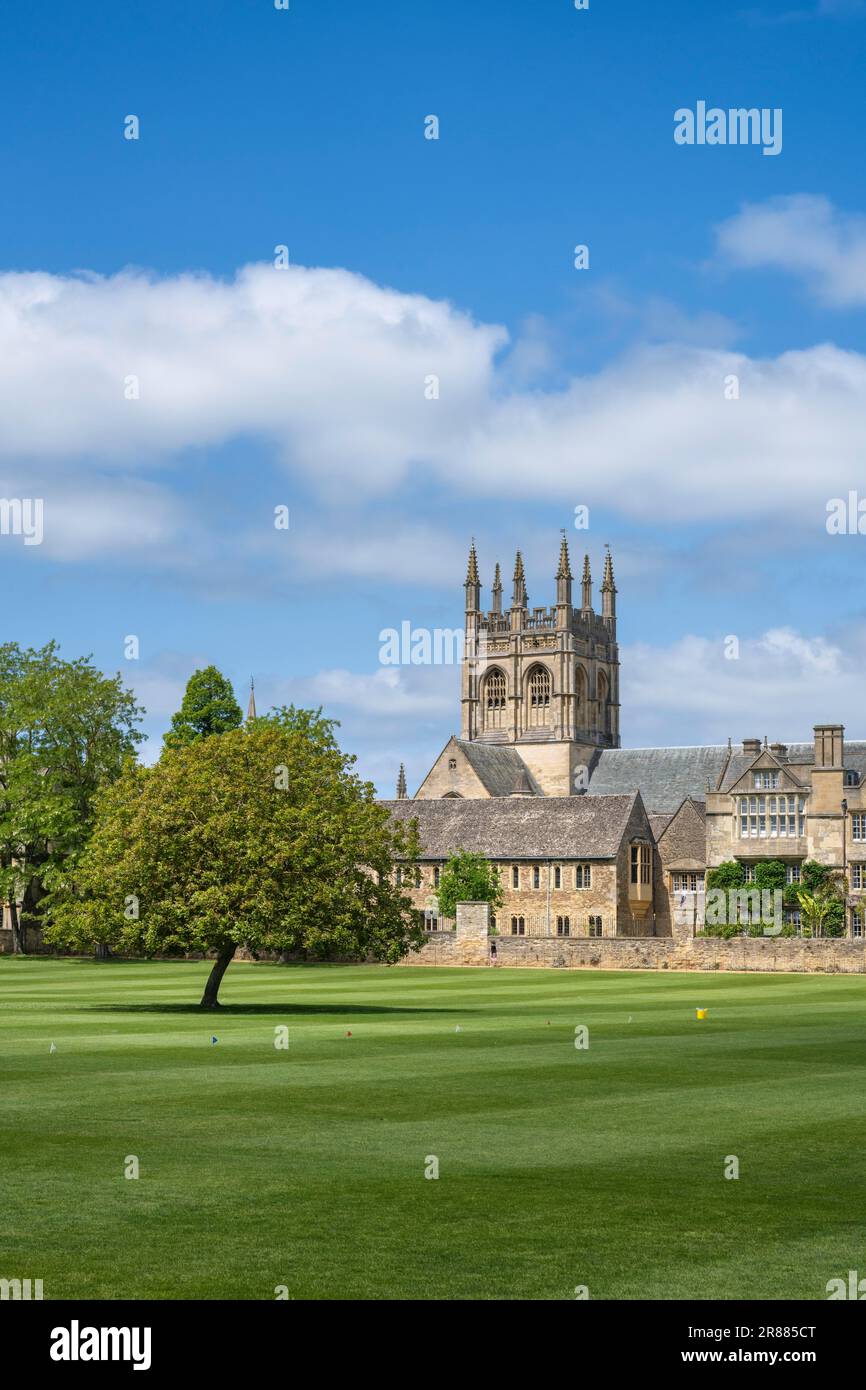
(855, 758)
(501, 770)
(800, 758)
(562, 827)
(665, 776)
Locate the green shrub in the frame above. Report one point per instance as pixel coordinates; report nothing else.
(468, 878)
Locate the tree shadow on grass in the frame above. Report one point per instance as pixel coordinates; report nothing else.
(341, 1010)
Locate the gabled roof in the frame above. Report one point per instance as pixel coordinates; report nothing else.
(659, 822)
(562, 827)
(665, 776)
(741, 765)
(690, 802)
(500, 770)
(799, 760)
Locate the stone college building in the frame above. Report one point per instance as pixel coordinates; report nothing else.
(594, 840)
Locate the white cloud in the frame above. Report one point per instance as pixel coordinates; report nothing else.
(325, 363)
(689, 692)
(410, 692)
(109, 517)
(653, 436)
(806, 236)
(366, 547)
(330, 369)
(652, 318)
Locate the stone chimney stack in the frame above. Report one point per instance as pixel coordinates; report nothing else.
(830, 745)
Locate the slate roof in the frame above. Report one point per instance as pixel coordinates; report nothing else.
(501, 770)
(855, 757)
(800, 759)
(561, 827)
(665, 776)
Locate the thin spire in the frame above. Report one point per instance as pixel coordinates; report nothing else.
(607, 579)
(496, 591)
(586, 585)
(472, 568)
(608, 589)
(402, 794)
(564, 571)
(251, 707)
(519, 600)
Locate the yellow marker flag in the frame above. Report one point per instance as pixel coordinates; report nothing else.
(701, 1013)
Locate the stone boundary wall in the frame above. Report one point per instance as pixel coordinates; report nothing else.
(794, 954)
(786, 954)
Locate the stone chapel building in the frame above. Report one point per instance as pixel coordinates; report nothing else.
(593, 839)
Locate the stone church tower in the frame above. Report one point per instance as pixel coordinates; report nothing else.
(543, 681)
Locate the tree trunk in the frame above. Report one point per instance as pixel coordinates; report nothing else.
(102, 951)
(211, 990)
(19, 932)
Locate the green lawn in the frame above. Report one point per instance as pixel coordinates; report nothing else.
(305, 1167)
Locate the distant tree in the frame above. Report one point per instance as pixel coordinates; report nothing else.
(263, 837)
(66, 731)
(208, 707)
(726, 876)
(468, 878)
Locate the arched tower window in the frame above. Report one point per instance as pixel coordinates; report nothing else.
(603, 703)
(493, 700)
(538, 698)
(580, 691)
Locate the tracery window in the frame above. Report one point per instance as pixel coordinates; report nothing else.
(538, 697)
(494, 700)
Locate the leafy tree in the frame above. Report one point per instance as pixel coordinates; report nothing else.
(727, 876)
(822, 898)
(263, 837)
(468, 878)
(66, 731)
(208, 707)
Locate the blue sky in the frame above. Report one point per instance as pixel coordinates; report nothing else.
(558, 387)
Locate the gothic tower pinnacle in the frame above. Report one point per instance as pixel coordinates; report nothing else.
(472, 583)
(608, 589)
(519, 599)
(564, 576)
(547, 684)
(496, 591)
(586, 586)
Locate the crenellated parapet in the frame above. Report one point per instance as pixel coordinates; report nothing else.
(546, 674)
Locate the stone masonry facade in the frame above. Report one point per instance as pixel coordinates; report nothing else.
(540, 722)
